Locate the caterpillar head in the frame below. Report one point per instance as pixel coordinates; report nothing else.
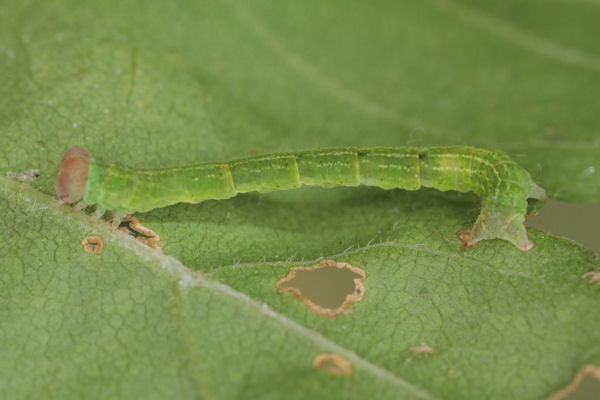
(72, 175)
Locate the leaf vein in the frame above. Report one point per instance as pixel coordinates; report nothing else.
(521, 37)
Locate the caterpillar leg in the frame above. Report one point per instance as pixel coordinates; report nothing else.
(117, 218)
(98, 213)
(536, 192)
(80, 205)
(498, 224)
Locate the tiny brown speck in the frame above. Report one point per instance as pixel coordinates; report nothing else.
(592, 276)
(92, 244)
(333, 363)
(421, 349)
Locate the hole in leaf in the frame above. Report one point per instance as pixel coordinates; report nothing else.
(333, 364)
(574, 221)
(92, 244)
(585, 383)
(327, 288)
(133, 227)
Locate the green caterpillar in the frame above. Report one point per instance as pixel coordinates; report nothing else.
(502, 185)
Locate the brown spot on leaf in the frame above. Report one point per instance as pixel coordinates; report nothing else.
(421, 349)
(133, 227)
(333, 364)
(92, 244)
(451, 372)
(593, 276)
(310, 284)
(591, 370)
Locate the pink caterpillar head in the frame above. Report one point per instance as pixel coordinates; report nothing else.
(72, 175)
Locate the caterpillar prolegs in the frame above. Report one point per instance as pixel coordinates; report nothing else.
(502, 185)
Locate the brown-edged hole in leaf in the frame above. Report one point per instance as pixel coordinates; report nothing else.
(333, 364)
(92, 244)
(133, 227)
(327, 288)
(585, 385)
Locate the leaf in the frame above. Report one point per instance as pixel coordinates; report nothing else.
(159, 84)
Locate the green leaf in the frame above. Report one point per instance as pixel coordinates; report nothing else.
(160, 84)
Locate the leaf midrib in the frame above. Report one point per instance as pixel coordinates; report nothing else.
(189, 278)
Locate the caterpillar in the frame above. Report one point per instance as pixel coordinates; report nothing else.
(502, 185)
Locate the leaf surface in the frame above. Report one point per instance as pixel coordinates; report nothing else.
(156, 84)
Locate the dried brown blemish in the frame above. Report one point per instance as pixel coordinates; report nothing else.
(593, 276)
(133, 227)
(333, 364)
(25, 176)
(465, 237)
(451, 372)
(284, 285)
(421, 349)
(590, 370)
(92, 244)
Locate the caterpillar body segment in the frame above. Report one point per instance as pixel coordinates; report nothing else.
(502, 185)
